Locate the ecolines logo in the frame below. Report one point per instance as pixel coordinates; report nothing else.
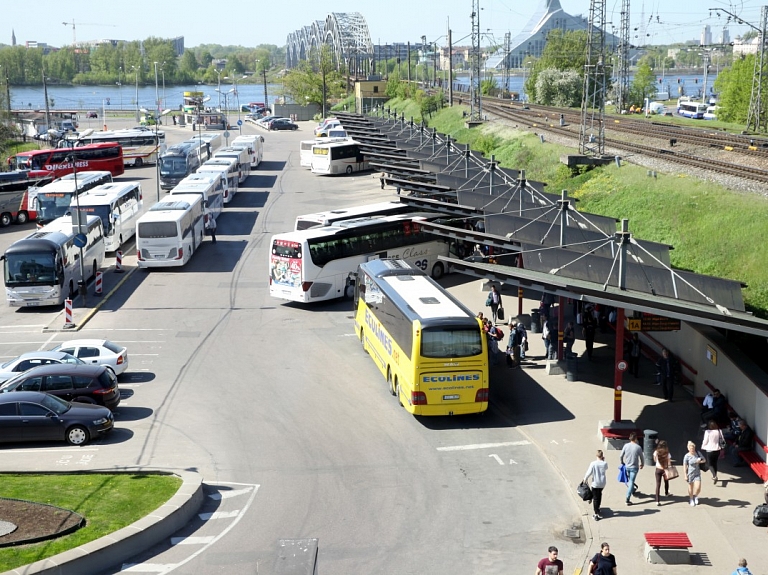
(378, 331)
(449, 378)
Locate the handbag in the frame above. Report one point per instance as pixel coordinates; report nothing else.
(671, 473)
(500, 313)
(584, 491)
(703, 466)
(489, 301)
(623, 477)
(722, 443)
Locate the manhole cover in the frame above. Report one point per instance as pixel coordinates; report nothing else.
(6, 527)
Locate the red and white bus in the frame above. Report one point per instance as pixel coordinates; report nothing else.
(17, 195)
(106, 157)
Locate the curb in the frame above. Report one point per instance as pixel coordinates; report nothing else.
(99, 555)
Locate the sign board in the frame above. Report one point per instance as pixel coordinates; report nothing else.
(225, 134)
(659, 323)
(634, 324)
(239, 122)
(621, 365)
(80, 240)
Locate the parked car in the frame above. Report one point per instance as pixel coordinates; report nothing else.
(98, 351)
(35, 416)
(92, 115)
(79, 383)
(265, 120)
(282, 124)
(34, 359)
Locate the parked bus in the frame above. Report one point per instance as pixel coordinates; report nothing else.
(211, 138)
(18, 195)
(139, 146)
(330, 217)
(338, 158)
(170, 232)
(305, 149)
(319, 264)
(118, 205)
(694, 110)
(243, 160)
(181, 160)
(105, 156)
(227, 169)
(53, 200)
(430, 348)
(44, 267)
(206, 187)
(255, 148)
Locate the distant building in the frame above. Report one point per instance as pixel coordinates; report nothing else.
(745, 48)
(13, 37)
(706, 36)
(725, 36)
(177, 44)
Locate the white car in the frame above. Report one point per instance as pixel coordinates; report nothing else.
(33, 359)
(97, 351)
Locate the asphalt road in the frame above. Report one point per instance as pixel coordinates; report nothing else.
(286, 418)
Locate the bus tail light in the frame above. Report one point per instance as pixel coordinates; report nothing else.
(139, 256)
(180, 255)
(418, 398)
(482, 395)
(305, 286)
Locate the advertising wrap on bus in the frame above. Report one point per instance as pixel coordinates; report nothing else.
(285, 264)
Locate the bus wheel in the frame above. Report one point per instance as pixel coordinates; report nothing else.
(437, 271)
(395, 387)
(362, 339)
(138, 163)
(71, 290)
(94, 269)
(22, 218)
(349, 291)
(349, 169)
(390, 382)
(5, 219)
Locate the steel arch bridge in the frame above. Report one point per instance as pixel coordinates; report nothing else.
(346, 33)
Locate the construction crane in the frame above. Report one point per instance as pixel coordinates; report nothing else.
(74, 31)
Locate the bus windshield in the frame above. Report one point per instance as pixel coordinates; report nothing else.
(52, 205)
(29, 268)
(103, 213)
(451, 342)
(158, 230)
(173, 166)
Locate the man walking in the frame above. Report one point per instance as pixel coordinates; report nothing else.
(550, 565)
(668, 373)
(632, 458)
(211, 225)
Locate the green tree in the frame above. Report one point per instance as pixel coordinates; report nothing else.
(562, 88)
(489, 87)
(563, 51)
(643, 85)
(189, 65)
(734, 85)
(315, 81)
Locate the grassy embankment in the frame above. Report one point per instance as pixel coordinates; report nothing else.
(108, 503)
(714, 230)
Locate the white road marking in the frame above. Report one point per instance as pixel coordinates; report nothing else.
(46, 450)
(25, 325)
(484, 446)
(191, 540)
(497, 458)
(228, 494)
(218, 515)
(128, 329)
(148, 567)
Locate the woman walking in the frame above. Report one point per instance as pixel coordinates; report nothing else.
(596, 471)
(692, 470)
(603, 563)
(662, 460)
(711, 445)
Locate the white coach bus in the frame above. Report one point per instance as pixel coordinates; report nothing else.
(170, 232)
(118, 204)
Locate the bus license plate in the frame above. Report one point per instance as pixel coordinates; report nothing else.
(448, 397)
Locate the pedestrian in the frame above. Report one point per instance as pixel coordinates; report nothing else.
(668, 373)
(692, 470)
(211, 226)
(634, 355)
(545, 329)
(569, 337)
(717, 410)
(588, 330)
(603, 563)
(550, 565)
(494, 302)
(546, 302)
(711, 445)
(381, 179)
(632, 458)
(552, 338)
(596, 471)
(493, 343)
(513, 345)
(662, 460)
(480, 316)
(742, 568)
(523, 339)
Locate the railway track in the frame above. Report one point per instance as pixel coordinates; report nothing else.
(524, 117)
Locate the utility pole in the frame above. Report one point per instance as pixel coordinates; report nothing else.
(622, 93)
(756, 118)
(476, 109)
(45, 95)
(505, 66)
(450, 69)
(592, 130)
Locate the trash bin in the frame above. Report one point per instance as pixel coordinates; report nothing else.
(535, 325)
(649, 445)
(571, 366)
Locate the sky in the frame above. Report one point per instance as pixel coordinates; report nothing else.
(652, 21)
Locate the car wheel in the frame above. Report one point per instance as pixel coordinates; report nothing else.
(349, 169)
(5, 219)
(138, 163)
(111, 370)
(77, 435)
(22, 218)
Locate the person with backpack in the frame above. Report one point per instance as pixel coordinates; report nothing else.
(513, 345)
(523, 339)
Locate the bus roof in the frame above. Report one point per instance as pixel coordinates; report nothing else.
(105, 193)
(417, 295)
(335, 142)
(345, 227)
(66, 184)
(220, 161)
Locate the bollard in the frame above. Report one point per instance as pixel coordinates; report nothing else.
(99, 278)
(649, 445)
(535, 323)
(119, 261)
(571, 366)
(68, 323)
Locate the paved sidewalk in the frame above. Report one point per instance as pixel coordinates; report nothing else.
(561, 418)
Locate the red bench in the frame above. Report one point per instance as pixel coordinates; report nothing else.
(756, 464)
(668, 540)
(619, 433)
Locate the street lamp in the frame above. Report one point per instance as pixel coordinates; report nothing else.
(157, 145)
(218, 87)
(237, 96)
(264, 75)
(226, 104)
(525, 69)
(135, 69)
(157, 97)
(162, 102)
(80, 216)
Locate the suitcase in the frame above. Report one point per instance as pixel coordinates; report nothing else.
(760, 516)
(500, 314)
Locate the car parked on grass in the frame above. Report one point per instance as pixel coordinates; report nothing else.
(94, 384)
(282, 124)
(34, 359)
(97, 351)
(35, 416)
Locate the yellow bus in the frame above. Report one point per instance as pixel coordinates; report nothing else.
(429, 347)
